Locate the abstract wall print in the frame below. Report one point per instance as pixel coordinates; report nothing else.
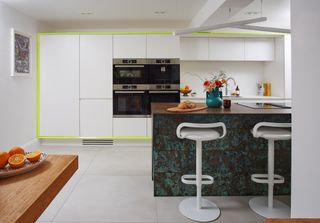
(20, 53)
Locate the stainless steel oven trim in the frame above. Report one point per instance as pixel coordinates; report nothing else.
(118, 61)
(163, 92)
(134, 87)
(131, 116)
(163, 61)
(172, 87)
(130, 92)
(129, 66)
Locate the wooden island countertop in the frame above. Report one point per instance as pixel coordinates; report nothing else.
(160, 108)
(23, 198)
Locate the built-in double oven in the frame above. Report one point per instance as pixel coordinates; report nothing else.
(139, 82)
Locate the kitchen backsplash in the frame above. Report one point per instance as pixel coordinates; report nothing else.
(246, 74)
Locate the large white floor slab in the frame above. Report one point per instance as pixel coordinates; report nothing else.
(110, 199)
(113, 184)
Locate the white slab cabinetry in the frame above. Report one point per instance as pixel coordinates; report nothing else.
(59, 85)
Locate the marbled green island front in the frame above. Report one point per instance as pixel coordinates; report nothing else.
(231, 160)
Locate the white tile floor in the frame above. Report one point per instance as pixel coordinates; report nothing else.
(114, 185)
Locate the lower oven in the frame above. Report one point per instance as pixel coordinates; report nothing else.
(131, 103)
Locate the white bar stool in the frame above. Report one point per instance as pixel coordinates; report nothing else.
(267, 206)
(199, 209)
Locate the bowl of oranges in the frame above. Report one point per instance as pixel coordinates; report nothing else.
(185, 90)
(17, 161)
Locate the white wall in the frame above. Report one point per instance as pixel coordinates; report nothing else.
(305, 21)
(17, 94)
(246, 74)
(274, 70)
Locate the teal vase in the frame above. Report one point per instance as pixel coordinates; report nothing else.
(214, 99)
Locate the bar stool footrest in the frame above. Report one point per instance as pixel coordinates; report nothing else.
(263, 178)
(191, 179)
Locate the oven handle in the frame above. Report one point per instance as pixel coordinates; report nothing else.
(163, 92)
(129, 92)
(121, 66)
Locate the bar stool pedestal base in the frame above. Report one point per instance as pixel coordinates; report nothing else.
(260, 206)
(208, 212)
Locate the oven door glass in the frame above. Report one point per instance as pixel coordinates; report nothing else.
(130, 103)
(129, 74)
(164, 74)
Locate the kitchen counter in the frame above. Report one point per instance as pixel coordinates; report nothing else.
(160, 108)
(26, 196)
(230, 160)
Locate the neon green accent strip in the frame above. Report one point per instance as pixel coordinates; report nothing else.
(102, 33)
(38, 86)
(106, 137)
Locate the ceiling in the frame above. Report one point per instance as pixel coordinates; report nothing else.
(66, 14)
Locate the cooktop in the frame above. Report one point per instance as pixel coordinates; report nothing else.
(266, 105)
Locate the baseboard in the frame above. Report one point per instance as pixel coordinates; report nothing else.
(78, 142)
(31, 145)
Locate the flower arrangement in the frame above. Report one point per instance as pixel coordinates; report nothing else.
(215, 83)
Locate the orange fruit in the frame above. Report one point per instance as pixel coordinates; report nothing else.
(16, 150)
(17, 160)
(34, 156)
(4, 156)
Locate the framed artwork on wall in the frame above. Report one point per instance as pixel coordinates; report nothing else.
(21, 53)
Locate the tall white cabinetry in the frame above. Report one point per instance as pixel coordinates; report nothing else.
(194, 48)
(129, 46)
(59, 85)
(96, 85)
(259, 49)
(226, 49)
(163, 46)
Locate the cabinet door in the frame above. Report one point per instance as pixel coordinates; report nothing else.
(129, 127)
(149, 127)
(194, 49)
(259, 49)
(59, 85)
(96, 117)
(226, 49)
(129, 46)
(95, 66)
(163, 46)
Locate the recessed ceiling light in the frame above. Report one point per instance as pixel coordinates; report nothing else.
(86, 12)
(159, 12)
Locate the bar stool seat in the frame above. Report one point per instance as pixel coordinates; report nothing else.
(199, 134)
(267, 206)
(197, 208)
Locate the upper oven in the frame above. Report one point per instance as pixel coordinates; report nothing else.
(164, 71)
(130, 71)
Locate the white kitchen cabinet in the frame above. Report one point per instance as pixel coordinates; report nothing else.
(231, 49)
(95, 66)
(130, 127)
(59, 85)
(129, 46)
(259, 49)
(194, 48)
(163, 46)
(149, 127)
(96, 117)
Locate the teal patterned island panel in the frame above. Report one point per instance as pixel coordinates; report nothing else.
(230, 160)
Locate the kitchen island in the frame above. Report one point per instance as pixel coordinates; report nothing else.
(230, 160)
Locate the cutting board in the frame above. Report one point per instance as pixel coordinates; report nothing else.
(176, 109)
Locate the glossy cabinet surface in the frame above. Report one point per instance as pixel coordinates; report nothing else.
(194, 49)
(59, 85)
(129, 46)
(95, 66)
(96, 117)
(163, 46)
(130, 127)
